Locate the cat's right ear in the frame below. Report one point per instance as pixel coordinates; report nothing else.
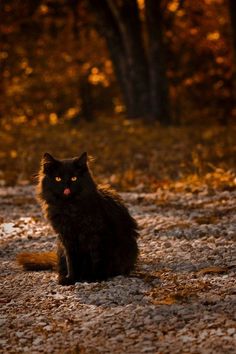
(48, 162)
(47, 158)
(82, 160)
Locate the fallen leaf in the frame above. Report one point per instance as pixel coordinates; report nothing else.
(214, 269)
(169, 300)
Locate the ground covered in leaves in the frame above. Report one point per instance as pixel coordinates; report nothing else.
(180, 299)
(129, 155)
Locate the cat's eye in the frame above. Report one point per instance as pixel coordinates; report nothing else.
(58, 179)
(74, 178)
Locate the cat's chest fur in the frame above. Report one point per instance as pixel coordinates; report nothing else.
(76, 220)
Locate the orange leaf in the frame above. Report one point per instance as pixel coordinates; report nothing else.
(214, 269)
(167, 301)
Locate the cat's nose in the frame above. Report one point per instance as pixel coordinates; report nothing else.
(67, 191)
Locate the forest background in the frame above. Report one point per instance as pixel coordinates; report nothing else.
(147, 87)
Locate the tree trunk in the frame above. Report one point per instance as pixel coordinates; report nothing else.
(142, 78)
(120, 26)
(129, 25)
(87, 108)
(230, 104)
(232, 12)
(159, 87)
(107, 27)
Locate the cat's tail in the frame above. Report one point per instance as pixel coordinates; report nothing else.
(38, 261)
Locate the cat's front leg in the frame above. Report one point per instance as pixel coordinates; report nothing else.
(65, 280)
(65, 267)
(69, 279)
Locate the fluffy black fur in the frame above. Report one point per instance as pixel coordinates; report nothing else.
(96, 234)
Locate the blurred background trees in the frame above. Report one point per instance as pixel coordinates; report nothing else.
(107, 76)
(169, 61)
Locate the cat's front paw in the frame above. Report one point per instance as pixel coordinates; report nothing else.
(66, 280)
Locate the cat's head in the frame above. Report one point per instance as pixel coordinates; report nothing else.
(64, 179)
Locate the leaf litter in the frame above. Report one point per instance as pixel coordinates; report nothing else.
(180, 298)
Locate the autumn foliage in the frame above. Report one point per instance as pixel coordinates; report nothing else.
(57, 62)
(127, 154)
(64, 89)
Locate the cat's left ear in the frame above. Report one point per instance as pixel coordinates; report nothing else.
(82, 160)
(48, 162)
(47, 158)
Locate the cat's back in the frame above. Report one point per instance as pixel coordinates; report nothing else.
(109, 197)
(115, 209)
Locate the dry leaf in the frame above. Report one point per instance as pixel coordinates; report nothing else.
(169, 300)
(214, 269)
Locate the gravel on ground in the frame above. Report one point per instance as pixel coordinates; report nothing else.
(181, 298)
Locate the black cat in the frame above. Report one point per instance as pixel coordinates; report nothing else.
(96, 234)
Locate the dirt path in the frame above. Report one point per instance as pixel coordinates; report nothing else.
(181, 299)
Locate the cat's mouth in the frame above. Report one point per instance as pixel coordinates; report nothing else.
(67, 191)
